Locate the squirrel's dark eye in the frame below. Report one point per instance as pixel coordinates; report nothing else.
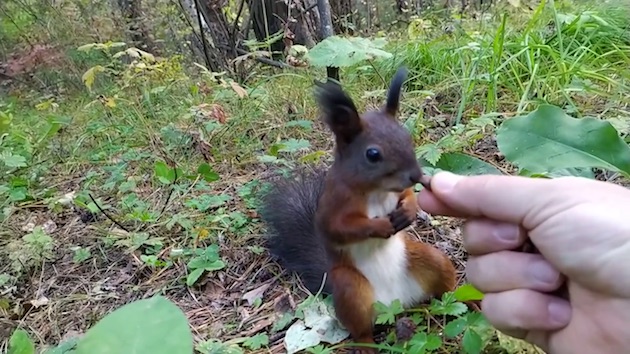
(373, 155)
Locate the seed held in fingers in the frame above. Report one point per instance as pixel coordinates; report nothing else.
(425, 181)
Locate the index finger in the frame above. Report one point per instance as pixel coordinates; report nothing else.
(512, 199)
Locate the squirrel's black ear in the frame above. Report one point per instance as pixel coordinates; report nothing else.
(393, 94)
(339, 111)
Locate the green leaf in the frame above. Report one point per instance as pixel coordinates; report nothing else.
(11, 160)
(291, 145)
(421, 342)
(206, 260)
(17, 194)
(430, 152)
(306, 124)
(433, 342)
(467, 292)
(472, 342)
(207, 172)
(214, 346)
(256, 342)
(455, 327)
(154, 325)
(548, 139)
(164, 173)
(339, 51)
(387, 314)
(64, 347)
(462, 164)
(559, 172)
(448, 305)
(194, 276)
(81, 254)
(205, 201)
(476, 319)
(20, 343)
(5, 122)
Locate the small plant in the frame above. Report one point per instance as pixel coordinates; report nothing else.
(81, 254)
(204, 260)
(31, 250)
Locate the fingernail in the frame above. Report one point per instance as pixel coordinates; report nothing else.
(559, 312)
(445, 181)
(544, 272)
(506, 232)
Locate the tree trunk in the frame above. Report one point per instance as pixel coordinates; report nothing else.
(341, 13)
(138, 31)
(325, 21)
(223, 46)
(296, 25)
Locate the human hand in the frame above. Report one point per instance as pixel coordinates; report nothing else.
(581, 228)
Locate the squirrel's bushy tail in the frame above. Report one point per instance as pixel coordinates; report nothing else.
(288, 210)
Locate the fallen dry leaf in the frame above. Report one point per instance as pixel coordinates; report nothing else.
(212, 111)
(238, 89)
(257, 293)
(42, 301)
(49, 227)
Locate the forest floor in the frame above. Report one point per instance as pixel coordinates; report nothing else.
(91, 266)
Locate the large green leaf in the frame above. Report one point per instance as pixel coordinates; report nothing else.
(21, 343)
(548, 139)
(339, 51)
(460, 164)
(150, 326)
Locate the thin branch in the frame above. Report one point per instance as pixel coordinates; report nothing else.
(277, 64)
(106, 214)
(238, 15)
(203, 35)
(170, 193)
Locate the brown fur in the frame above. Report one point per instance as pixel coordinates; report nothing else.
(340, 216)
(432, 268)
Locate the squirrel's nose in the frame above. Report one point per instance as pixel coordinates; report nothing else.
(415, 175)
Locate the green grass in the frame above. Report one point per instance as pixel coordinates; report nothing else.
(118, 143)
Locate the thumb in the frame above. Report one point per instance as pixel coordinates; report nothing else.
(505, 198)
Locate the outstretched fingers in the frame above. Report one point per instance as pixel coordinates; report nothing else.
(519, 311)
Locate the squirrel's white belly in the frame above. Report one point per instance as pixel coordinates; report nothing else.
(384, 264)
(384, 261)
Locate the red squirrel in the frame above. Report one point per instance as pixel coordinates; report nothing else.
(348, 222)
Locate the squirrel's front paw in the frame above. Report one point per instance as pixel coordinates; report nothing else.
(383, 228)
(401, 218)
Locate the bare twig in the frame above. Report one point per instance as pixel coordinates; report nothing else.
(106, 214)
(170, 193)
(202, 35)
(238, 15)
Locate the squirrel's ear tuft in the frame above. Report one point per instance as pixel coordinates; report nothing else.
(393, 94)
(339, 111)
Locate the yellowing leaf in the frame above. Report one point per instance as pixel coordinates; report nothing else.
(108, 102)
(513, 345)
(87, 47)
(137, 53)
(90, 75)
(238, 89)
(515, 3)
(46, 105)
(119, 54)
(203, 233)
(111, 44)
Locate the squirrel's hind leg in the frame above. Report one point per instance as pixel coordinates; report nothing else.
(353, 300)
(433, 270)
